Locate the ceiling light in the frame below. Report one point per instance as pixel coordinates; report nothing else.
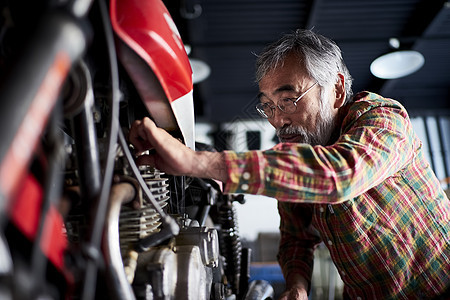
(188, 48)
(200, 70)
(397, 64)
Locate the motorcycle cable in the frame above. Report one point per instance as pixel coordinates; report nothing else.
(92, 248)
(179, 184)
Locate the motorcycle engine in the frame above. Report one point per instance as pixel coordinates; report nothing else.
(181, 268)
(197, 263)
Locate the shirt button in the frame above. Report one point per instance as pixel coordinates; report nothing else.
(358, 298)
(330, 242)
(244, 187)
(321, 209)
(246, 175)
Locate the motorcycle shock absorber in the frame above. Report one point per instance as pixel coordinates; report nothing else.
(230, 242)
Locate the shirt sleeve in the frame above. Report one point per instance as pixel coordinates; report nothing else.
(298, 240)
(376, 142)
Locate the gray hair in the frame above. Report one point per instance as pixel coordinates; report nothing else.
(321, 57)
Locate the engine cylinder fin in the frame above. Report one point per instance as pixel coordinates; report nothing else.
(136, 224)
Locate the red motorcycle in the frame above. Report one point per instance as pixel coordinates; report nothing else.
(79, 219)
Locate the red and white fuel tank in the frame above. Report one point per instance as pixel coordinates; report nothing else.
(152, 52)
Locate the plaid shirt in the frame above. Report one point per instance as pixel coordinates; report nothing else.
(371, 197)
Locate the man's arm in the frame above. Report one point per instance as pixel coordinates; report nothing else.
(172, 156)
(363, 157)
(296, 251)
(376, 142)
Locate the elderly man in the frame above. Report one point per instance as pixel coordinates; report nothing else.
(349, 171)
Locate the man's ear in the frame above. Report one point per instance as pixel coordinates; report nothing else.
(339, 90)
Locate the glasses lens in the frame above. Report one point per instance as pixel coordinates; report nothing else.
(287, 105)
(264, 110)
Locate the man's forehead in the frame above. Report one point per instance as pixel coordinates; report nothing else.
(278, 90)
(290, 76)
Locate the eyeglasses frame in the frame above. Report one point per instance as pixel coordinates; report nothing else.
(273, 107)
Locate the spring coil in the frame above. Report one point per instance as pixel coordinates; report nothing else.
(230, 244)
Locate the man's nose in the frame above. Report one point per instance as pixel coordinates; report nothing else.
(280, 118)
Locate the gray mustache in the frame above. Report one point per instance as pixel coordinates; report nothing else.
(290, 130)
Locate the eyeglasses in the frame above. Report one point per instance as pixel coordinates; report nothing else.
(286, 105)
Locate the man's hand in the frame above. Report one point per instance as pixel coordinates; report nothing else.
(294, 293)
(171, 156)
(296, 288)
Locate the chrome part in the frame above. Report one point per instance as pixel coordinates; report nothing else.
(207, 241)
(120, 193)
(194, 279)
(259, 289)
(181, 270)
(156, 275)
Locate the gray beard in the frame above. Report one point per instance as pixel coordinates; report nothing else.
(324, 128)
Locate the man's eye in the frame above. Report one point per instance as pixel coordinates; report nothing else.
(285, 101)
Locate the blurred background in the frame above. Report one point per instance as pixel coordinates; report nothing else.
(222, 38)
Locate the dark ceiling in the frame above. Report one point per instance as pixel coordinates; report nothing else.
(226, 34)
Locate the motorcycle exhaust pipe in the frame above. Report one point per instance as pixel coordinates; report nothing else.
(118, 280)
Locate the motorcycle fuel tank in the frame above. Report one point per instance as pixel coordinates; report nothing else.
(154, 55)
